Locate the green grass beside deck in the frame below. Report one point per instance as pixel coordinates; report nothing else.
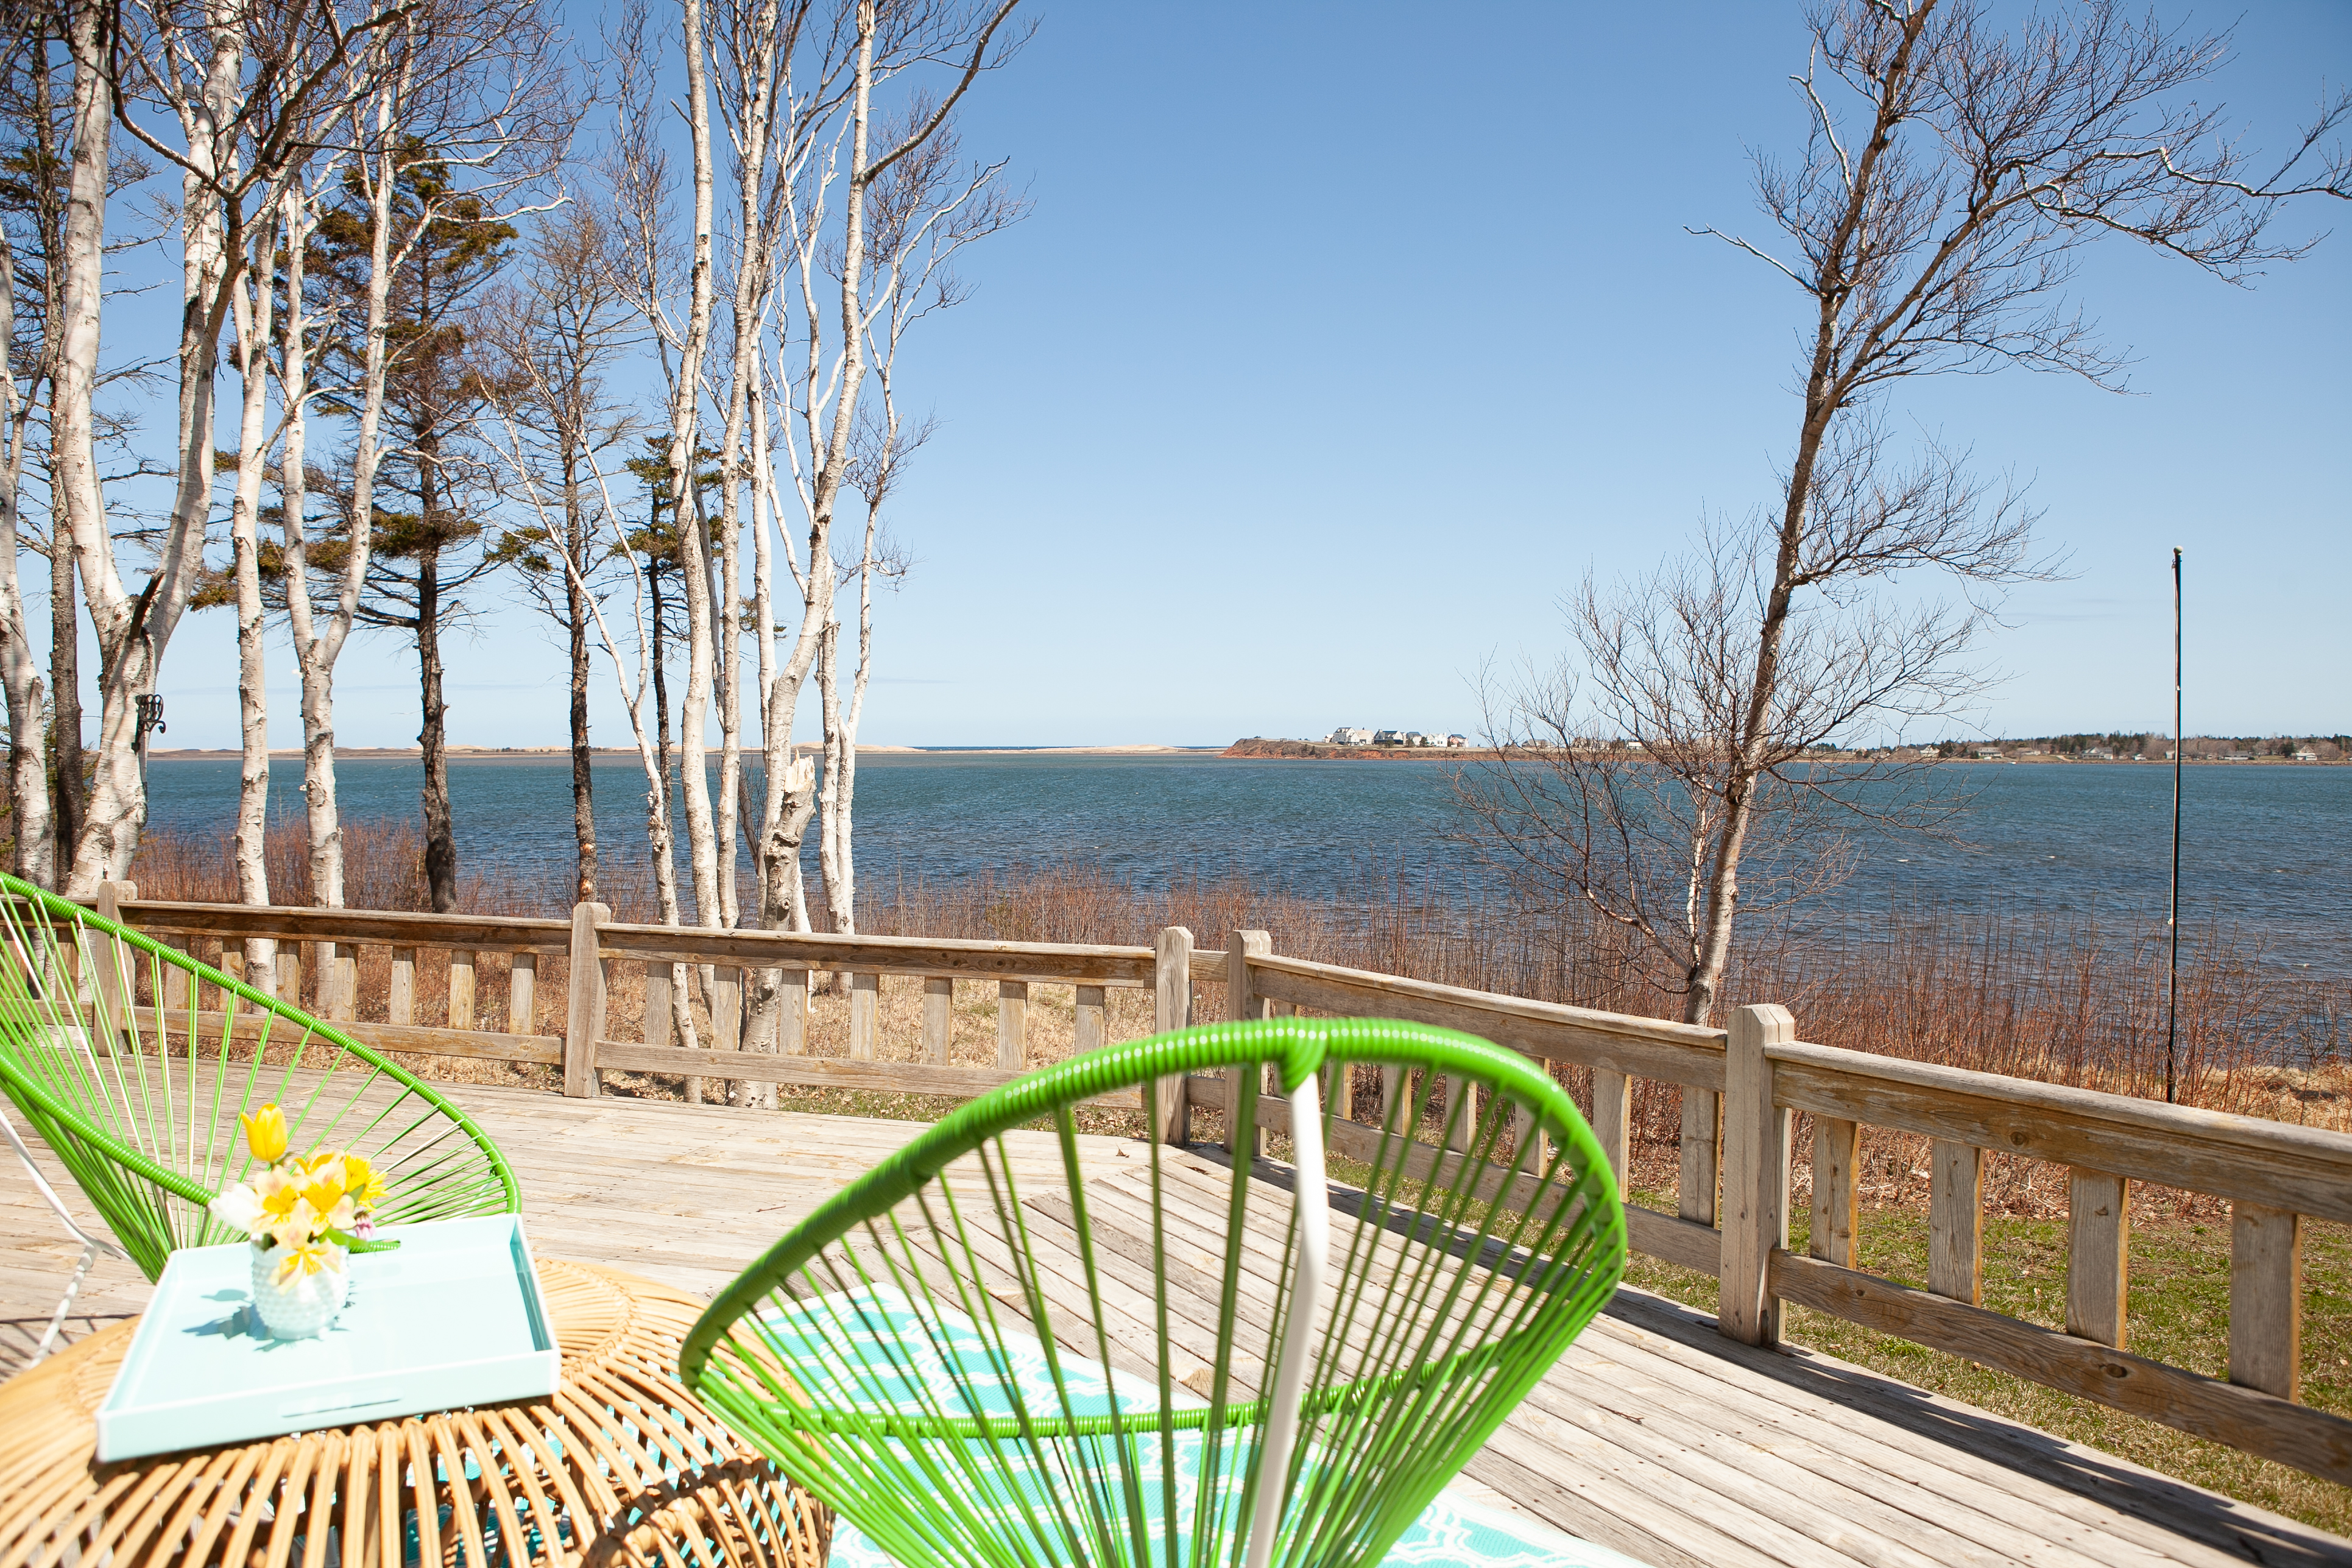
(2180, 1314)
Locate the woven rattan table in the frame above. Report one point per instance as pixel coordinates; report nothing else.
(619, 1467)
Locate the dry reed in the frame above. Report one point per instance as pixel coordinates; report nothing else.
(2062, 1002)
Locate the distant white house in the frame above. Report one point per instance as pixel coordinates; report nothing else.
(2306, 755)
(1457, 739)
(1345, 737)
(1388, 737)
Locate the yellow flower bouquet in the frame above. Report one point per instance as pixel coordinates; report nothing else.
(303, 1216)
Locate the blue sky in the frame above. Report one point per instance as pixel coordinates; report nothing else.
(1345, 339)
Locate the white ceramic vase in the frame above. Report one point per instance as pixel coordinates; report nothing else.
(304, 1306)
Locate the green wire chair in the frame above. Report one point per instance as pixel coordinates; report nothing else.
(140, 1100)
(1174, 1365)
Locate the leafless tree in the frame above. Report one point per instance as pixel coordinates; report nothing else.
(39, 125)
(478, 84)
(1954, 171)
(925, 210)
(825, 346)
(246, 86)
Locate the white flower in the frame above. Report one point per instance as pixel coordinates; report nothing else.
(240, 1209)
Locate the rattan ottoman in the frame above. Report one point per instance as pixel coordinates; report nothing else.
(619, 1467)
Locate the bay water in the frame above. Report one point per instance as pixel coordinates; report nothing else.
(2266, 851)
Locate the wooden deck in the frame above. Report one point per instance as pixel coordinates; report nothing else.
(1655, 1435)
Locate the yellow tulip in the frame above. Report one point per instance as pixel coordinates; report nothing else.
(265, 1133)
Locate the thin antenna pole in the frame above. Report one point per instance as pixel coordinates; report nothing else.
(2172, 1000)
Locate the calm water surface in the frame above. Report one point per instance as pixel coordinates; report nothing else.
(2267, 850)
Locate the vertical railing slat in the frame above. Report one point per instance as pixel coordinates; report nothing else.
(2098, 1255)
(661, 1012)
(1012, 1024)
(1837, 1191)
(1612, 1106)
(1695, 1191)
(401, 1005)
(1089, 1019)
(1955, 1221)
(791, 1012)
(2266, 1299)
(461, 988)
(938, 1018)
(522, 995)
(865, 1016)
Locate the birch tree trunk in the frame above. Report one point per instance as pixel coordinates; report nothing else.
(65, 689)
(255, 302)
(686, 409)
(317, 645)
(35, 856)
(80, 509)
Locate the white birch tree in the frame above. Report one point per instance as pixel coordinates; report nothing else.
(925, 209)
(480, 86)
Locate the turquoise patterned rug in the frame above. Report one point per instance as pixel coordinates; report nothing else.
(840, 1366)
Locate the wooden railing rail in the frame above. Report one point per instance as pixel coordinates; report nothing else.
(2271, 1173)
(1741, 1089)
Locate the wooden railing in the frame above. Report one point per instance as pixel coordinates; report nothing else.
(1756, 1075)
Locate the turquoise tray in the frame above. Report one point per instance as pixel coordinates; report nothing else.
(453, 1318)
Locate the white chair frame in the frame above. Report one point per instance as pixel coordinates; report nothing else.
(91, 1246)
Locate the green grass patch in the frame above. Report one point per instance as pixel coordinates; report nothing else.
(2180, 1314)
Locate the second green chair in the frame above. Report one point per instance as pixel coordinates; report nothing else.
(134, 1060)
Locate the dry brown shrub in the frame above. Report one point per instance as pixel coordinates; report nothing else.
(2051, 999)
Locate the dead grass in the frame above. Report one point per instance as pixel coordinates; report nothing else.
(2067, 1003)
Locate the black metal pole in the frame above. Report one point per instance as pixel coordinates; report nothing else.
(2172, 999)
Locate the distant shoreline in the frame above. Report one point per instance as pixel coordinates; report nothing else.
(1253, 750)
(556, 754)
(1259, 749)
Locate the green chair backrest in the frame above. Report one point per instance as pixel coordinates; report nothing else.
(981, 1352)
(136, 1082)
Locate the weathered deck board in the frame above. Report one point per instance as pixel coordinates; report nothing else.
(1655, 1435)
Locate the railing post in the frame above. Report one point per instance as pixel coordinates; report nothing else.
(1754, 1176)
(1241, 1003)
(583, 1020)
(1171, 1008)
